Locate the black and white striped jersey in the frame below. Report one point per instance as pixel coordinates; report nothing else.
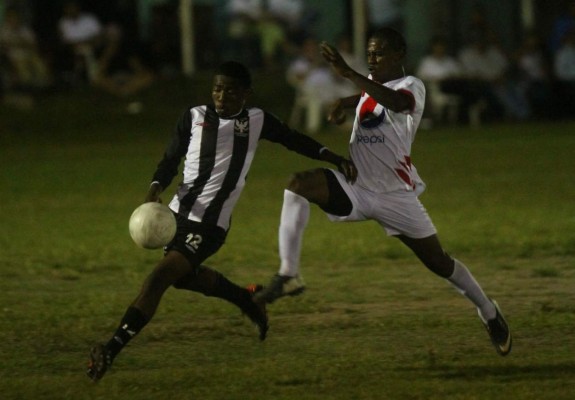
(218, 154)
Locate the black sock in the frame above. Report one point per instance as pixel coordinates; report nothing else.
(130, 325)
(212, 283)
(227, 290)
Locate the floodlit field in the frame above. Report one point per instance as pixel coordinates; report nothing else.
(374, 324)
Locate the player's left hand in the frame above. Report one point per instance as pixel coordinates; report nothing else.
(332, 56)
(348, 169)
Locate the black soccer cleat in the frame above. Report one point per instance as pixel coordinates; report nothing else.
(498, 331)
(256, 312)
(280, 286)
(100, 361)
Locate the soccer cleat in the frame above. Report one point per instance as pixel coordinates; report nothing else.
(100, 361)
(256, 312)
(280, 286)
(498, 331)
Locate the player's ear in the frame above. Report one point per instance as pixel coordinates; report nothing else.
(248, 92)
(398, 56)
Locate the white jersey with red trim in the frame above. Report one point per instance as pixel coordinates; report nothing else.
(380, 144)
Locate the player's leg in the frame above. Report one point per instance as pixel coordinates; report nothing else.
(434, 257)
(198, 242)
(318, 186)
(168, 271)
(212, 283)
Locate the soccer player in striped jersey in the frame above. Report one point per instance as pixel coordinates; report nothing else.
(218, 142)
(388, 112)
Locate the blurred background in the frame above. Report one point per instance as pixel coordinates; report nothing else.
(482, 61)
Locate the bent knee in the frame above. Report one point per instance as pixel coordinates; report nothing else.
(441, 264)
(305, 183)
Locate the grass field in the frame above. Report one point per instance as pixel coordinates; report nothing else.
(374, 324)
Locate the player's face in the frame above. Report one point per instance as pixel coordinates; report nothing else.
(228, 95)
(384, 63)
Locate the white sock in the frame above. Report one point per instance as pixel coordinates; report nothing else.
(466, 284)
(294, 217)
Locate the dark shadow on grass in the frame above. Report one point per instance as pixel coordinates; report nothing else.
(565, 371)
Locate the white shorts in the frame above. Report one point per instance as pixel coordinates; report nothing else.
(399, 212)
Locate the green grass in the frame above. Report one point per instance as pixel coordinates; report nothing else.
(374, 324)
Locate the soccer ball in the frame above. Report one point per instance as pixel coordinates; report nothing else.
(152, 225)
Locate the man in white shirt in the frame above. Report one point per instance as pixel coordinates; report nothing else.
(82, 34)
(388, 113)
(488, 66)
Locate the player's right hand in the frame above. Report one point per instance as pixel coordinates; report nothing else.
(336, 113)
(154, 192)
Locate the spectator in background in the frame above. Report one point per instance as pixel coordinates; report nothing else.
(127, 70)
(534, 75)
(243, 41)
(385, 14)
(438, 65)
(486, 63)
(562, 25)
(18, 45)
(564, 65)
(448, 85)
(85, 41)
(442, 73)
(315, 86)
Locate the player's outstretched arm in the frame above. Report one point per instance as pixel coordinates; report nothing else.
(394, 100)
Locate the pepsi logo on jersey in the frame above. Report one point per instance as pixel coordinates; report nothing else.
(372, 139)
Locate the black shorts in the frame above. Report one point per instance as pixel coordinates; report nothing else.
(196, 241)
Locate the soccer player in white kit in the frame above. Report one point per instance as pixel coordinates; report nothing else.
(388, 112)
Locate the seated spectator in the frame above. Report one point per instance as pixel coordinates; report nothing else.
(243, 31)
(442, 76)
(82, 37)
(487, 65)
(564, 65)
(315, 86)
(18, 46)
(562, 25)
(127, 71)
(438, 65)
(534, 75)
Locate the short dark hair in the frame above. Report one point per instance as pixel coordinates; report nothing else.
(235, 70)
(392, 37)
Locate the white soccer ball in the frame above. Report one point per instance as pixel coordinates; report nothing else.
(152, 225)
